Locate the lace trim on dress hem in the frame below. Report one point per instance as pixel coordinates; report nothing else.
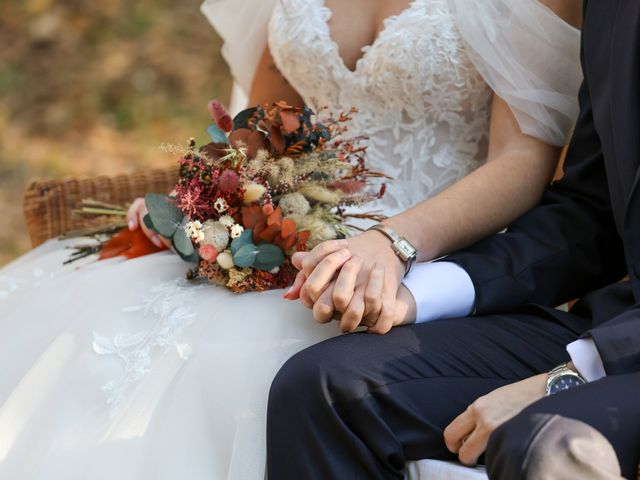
(168, 307)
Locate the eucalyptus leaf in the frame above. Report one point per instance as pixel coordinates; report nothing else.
(268, 257)
(164, 214)
(246, 238)
(148, 223)
(193, 258)
(181, 242)
(245, 256)
(217, 135)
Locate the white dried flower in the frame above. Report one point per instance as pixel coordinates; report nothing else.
(294, 204)
(225, 260)
(227, 221)
(236, 230)
(263, 156)
(194, 231)
(216, 234)
(253, 192)
(272, 172)
(286, 163)
(220, 205)
(320, 230)
(287, 174)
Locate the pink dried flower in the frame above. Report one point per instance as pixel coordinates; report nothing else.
(220, 116)
(194, 200)
(208, 253)
(228, 181)
(267, 209)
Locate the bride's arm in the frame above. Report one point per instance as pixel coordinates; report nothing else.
(518, 169)
(269, 85)
(569, 10)
(512, 181)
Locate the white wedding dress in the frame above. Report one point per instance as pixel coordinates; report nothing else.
(123, 370)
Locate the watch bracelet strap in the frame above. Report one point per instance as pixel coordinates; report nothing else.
(386, 231)
(558, 370)
(394, 237)
(409, 265)
(563, 367)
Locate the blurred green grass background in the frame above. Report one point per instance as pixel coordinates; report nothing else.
(90, 88)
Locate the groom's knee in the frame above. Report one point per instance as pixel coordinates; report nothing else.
(295, 380)
(298, 381)
(322, 374)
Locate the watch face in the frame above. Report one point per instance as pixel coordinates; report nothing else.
(565, 382)
(405, 249)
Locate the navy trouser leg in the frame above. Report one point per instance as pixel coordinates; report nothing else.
(359, 406)
(611, 406)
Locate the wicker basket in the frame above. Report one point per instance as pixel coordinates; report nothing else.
(49, 204)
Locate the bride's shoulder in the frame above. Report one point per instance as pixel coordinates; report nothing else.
(569, 10)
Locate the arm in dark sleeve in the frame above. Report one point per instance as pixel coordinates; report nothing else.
(566, 246)
(618, 342)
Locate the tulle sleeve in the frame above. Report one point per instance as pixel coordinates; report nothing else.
(530, 57)
(242, 24)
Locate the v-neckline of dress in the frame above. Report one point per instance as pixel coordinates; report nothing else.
(386, 26)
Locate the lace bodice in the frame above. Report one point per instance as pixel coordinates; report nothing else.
(422, 103)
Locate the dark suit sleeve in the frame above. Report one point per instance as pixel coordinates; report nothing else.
(617, 342)
(560, 250)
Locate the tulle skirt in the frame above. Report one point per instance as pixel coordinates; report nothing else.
(122, 369)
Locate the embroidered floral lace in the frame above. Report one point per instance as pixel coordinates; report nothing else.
(421, 102)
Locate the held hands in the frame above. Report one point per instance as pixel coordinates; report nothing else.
(468, 434)
(357, 281)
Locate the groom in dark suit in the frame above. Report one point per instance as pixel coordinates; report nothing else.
(361, 406)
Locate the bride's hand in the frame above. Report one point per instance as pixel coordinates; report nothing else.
(358, 284)
(135, 220)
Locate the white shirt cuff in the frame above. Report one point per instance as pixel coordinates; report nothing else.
(586, 359)
(441, 290)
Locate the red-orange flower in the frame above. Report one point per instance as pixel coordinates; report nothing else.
(272, 228)
(252, 140)
(130, 244)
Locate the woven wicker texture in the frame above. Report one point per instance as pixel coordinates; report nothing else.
(49, 204)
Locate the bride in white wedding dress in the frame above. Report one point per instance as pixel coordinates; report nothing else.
(122, 369)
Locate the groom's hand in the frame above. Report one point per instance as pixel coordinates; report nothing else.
(468, 434)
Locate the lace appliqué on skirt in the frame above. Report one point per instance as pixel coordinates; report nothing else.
(168, 306)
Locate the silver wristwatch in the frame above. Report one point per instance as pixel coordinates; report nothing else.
(563, 378)
(406, 252)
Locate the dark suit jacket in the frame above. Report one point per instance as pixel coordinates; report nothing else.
(585, 234)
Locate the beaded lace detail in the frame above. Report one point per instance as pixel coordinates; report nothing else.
(168, 306)
(422, 103)
(8, 285)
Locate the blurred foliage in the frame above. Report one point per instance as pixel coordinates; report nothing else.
(91, 88)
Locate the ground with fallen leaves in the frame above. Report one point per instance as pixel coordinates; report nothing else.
(91, 88)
